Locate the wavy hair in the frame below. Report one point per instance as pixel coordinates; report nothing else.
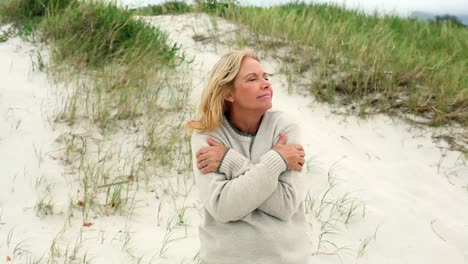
(220, 83)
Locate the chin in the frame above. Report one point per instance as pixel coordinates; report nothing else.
(267, 107)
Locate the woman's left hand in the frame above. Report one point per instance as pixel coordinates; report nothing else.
(209, 158)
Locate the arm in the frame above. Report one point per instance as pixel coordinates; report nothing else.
(230, 200)
(288, 195)
(284, 202)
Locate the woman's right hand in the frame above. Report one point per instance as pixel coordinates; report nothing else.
(293, 154)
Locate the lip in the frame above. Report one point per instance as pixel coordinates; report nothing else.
(264, 96)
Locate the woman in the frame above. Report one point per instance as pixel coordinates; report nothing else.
(247, 166)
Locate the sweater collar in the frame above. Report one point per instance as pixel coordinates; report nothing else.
(235, 129)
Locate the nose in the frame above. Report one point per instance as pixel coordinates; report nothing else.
(266, 83)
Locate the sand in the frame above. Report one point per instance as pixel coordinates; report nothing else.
(409, 192)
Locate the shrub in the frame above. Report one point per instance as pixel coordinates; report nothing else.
(173, 7)
(16, 10)
(97, 33)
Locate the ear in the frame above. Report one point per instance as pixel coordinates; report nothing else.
(229, 97)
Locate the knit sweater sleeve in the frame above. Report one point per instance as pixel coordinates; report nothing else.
(232, 199)
(285, 200)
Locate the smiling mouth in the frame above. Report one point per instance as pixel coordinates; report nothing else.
(264, 96)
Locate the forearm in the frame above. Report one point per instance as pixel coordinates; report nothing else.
(284, 200)
(234, 164)
(232, 199)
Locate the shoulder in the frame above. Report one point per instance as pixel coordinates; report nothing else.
(280, 120)
(197, 136)
(200, 139)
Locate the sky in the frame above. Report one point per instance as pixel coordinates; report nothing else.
(400, 7)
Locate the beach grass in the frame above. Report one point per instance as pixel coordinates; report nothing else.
(120, 81)
(114, 58)
(371, 63)
(181, 7)
(20, 10)
(90, 33)
(123, 81)
(169, 7)
(95, 34)
(117, 74)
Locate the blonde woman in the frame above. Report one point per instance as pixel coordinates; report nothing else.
(247, 166)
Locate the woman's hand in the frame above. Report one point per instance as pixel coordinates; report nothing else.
(293, 154)
(209, 158)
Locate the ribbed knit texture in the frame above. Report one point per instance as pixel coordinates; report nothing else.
(253, 205)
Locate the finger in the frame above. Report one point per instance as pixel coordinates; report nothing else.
(301, 154)
(207, 169)
(301, 161)
(294, 167)
(200, 165)
(212, 142)
(202, 151)
(203, 157)
(297, 167)
(282, 139)
(299, 147)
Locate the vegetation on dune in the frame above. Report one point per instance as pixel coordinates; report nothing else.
(116, 73)
(14, 11)
(170, 7)
(105, 43)
(90, 32)
(385, 64)
(370, 63)
(180, 7)
(97, 33)
(449, 18)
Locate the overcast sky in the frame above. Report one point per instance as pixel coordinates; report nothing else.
(402, 7)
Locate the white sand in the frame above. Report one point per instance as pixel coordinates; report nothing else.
(25, 143)
(414, 189)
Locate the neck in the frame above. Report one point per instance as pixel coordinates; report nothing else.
(246, 122)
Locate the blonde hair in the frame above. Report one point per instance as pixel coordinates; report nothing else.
(220, 83)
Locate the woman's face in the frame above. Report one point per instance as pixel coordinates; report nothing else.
(252, 90)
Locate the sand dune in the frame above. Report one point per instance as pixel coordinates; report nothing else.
(407, 194)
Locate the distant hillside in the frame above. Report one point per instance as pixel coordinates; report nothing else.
(427, 16)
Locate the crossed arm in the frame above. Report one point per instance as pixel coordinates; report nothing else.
(274, 185)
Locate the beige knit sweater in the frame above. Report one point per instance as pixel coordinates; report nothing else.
(253, 206)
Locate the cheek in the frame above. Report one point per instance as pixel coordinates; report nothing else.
(246, 92)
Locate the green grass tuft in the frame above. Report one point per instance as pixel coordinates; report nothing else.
(95, 34)
(217, 7)
(118, 55)
(171, 7)
(388, 64)
(16, 10)
(89, 33)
